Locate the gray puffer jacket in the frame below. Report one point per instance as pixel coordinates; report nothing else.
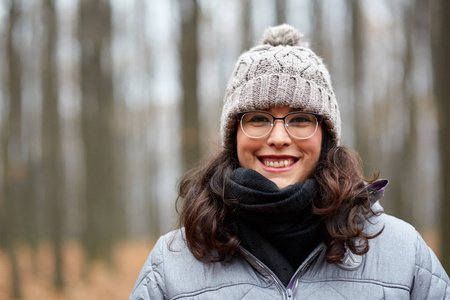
(399, 265)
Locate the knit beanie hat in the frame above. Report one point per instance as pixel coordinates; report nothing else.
(280, 72)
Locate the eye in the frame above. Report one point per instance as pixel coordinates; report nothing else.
(301, 120)
(257, 118)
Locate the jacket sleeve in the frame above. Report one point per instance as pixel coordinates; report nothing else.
(430, 279)
(150, 283)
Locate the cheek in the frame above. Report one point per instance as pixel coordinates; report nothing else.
(245, 149)
(312, 149)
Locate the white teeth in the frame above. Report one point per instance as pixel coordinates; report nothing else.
(278, 164)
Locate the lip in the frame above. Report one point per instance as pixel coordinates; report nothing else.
(277, 157)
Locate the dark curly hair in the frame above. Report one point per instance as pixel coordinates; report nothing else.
(343, 204)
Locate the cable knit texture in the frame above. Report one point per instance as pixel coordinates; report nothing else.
(282, 71)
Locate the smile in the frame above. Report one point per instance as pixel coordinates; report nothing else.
(277, 163)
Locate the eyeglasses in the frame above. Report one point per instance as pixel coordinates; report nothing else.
(300, 125)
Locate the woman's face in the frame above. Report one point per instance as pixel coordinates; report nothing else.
(301, 155)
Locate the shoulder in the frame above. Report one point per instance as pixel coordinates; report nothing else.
(170, 249)
(392, 265)
(174, 271)
(394, 231)
(150, 282)
(398, 243)
(400, 255)
(392, 254)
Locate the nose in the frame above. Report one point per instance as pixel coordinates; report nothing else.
(279, 137)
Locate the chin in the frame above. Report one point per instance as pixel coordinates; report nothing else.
(281, 184)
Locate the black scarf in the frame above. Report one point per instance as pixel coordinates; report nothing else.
(277, 226)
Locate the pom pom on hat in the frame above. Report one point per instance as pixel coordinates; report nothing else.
(284, 35)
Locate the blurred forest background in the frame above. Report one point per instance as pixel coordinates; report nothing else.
(103, 103)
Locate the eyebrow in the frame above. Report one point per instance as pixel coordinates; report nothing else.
(290, 109)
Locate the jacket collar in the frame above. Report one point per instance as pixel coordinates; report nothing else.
(376, 190)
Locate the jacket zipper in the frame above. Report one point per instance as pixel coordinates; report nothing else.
(286, 292)
(250, 257)
(304, 266)
(289, 293)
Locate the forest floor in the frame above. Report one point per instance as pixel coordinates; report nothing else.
(36, 273)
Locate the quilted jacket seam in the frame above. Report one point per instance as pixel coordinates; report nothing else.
(371, 281)
(212, 289)
(432, 274)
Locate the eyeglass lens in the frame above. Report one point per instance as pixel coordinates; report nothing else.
(299, 125)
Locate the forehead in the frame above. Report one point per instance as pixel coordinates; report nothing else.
(281, 110)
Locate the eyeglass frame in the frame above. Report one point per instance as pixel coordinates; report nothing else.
(319, 119)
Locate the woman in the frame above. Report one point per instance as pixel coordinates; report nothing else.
(283, 211)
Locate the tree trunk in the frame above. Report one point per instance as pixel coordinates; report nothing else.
(402, 113)
(360, 103)
(12, 160)
(97, 127)
(31, 210)
(189, 63)
(358, 78)
(51, 139)
(440, 27)
(247, 32)
(408, 155)
(317, 28)
(281, 11)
